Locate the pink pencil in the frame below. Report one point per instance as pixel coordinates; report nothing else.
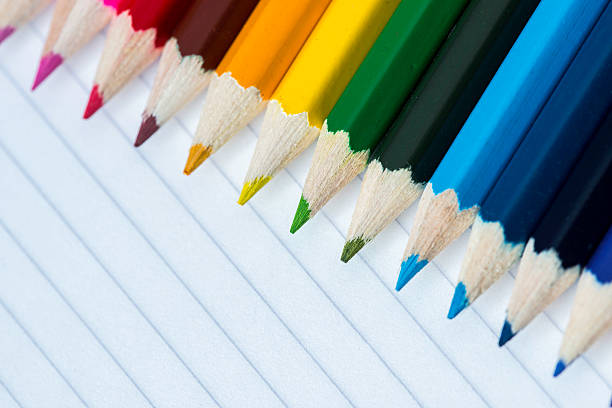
(74, 24)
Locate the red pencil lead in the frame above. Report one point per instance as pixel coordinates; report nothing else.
(48, 63)
(147, 128)
(95, 102)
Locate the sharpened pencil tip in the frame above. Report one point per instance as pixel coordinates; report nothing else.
(95, 102)
(5, 32)
(147, 128)
(559, 368)
(459, 302)
(351, 248)
(410, 267)
(198, 153)
(48, 63)
(250, 188)
(506, 333)
(302, 215)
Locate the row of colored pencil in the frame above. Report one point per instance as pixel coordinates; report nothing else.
(496, 112)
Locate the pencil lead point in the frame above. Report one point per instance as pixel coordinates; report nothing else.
(559, 368)
(250, 188)
(5, 32)
(459, 302)
(302, 215)
(95, 102)
(410, 267)
(198, 153)
(506, 333)
(48, 63)
(147, 128)
(351, 248)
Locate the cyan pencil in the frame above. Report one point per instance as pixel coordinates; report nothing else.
(529, 183)
(496, 127)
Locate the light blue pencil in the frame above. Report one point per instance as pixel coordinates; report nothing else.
(497, 125)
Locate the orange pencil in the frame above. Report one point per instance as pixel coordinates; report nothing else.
(251, 70)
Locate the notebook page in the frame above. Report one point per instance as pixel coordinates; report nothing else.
(194, 301)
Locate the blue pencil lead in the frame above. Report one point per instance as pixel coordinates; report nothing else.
(559, 368)
(506, 333)
(410, 267)
(459, 302)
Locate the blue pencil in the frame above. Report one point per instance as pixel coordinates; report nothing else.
(525, 189)
(566, 236)
(592, 309)
(497, 125)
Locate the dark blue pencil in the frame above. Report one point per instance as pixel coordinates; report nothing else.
(592, 310)
(566, 237)
(545, 157)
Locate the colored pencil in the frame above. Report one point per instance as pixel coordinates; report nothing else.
(407, 155)
(74, 24)
(546, 156)
(251, 70)
(566, 237)
(197, 46)
(591, 312)
(313, 84)
(495, 128)
(373, 97)
(15, 13)
(135, 39)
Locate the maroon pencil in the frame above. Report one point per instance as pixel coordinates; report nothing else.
(198, 44)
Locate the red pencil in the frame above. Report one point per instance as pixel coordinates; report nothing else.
(74, 24)
(135, 39)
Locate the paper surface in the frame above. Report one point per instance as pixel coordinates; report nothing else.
(125, 283)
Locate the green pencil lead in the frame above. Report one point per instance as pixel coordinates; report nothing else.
(302, 215)
(351, 248)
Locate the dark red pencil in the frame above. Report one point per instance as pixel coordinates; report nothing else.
(198, 44)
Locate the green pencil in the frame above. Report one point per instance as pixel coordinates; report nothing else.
(406, 157)
(373, 97)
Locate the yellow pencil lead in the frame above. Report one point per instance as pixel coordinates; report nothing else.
(250, 188)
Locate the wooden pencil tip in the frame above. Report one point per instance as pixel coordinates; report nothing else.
(302, 215)
(410, 267)
(459, 302)
(559, 368)
(198, 153)
(147, 128)
(351, 248)
(48, 63)
(95, 102)
(507, 334)
(250, 188)
(5, 32)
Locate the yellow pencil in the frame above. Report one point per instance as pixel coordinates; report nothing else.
(313, 84)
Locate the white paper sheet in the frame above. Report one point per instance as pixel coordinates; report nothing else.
(125, 283)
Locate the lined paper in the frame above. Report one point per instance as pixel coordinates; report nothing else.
(125, 283)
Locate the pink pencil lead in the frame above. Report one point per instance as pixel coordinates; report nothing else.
(48, 63)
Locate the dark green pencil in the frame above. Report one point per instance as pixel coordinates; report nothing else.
(412, 148)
